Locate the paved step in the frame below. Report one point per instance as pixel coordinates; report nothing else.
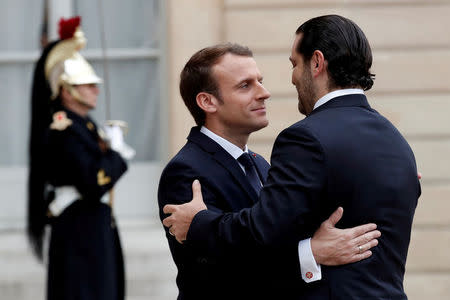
(149, 266)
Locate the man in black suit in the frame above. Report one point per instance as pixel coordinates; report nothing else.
(222, 87)
(342, 154)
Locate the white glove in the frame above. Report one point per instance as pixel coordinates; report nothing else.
(114, 135)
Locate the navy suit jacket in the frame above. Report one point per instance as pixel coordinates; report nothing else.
(222, 274)
(343, 154)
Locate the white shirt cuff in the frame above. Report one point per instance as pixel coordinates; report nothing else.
(309, 269)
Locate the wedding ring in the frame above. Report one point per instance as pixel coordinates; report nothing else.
(360, 248)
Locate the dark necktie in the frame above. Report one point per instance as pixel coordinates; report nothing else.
(250, 171)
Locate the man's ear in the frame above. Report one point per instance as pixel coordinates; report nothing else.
(206, 102)
(317, 63)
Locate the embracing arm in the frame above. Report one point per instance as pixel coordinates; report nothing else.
(277, 218)
(285, 212)
(175, 187)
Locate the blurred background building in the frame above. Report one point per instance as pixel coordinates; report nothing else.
(140, 46)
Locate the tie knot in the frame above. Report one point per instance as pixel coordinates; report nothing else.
(245, 160)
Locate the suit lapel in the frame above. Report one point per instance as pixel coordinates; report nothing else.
(224, 159)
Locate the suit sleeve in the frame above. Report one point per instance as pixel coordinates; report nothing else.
(175, 187)
(286, 212)
(94, 172)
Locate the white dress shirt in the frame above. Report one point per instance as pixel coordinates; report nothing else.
(307, 262)
(231, 148)
(336, 93)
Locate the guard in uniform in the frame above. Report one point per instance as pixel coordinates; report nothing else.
(73, 170)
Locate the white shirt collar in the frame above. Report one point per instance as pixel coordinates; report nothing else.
(335, 94)
(231, 148)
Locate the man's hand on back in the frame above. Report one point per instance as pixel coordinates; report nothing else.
(181, 215)
(332, 246)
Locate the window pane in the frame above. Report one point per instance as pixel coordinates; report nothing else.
(15, 88)
(20, 30)
(20, 24)
(127, 24)
(133, 82)
(134, 88)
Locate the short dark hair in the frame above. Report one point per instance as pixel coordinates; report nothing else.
(196, 76)
(344, 46)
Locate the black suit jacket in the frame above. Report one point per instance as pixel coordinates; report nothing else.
(223, 274)
(343, 154)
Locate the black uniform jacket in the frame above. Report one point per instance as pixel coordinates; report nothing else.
(85, 257)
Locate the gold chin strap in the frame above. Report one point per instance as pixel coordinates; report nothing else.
(72, 91)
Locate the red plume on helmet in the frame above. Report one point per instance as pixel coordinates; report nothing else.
(67, 27)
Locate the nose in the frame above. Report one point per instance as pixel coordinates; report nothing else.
(95, 89)
(264, 93)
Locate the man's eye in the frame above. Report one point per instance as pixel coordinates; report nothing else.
(244, 85)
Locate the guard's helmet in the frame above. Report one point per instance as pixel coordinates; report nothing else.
(64, 64)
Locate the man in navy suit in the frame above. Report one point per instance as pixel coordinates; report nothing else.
(222, 87)
(343, 153)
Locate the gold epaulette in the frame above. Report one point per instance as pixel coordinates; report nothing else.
(60, 121)
(102, 179)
